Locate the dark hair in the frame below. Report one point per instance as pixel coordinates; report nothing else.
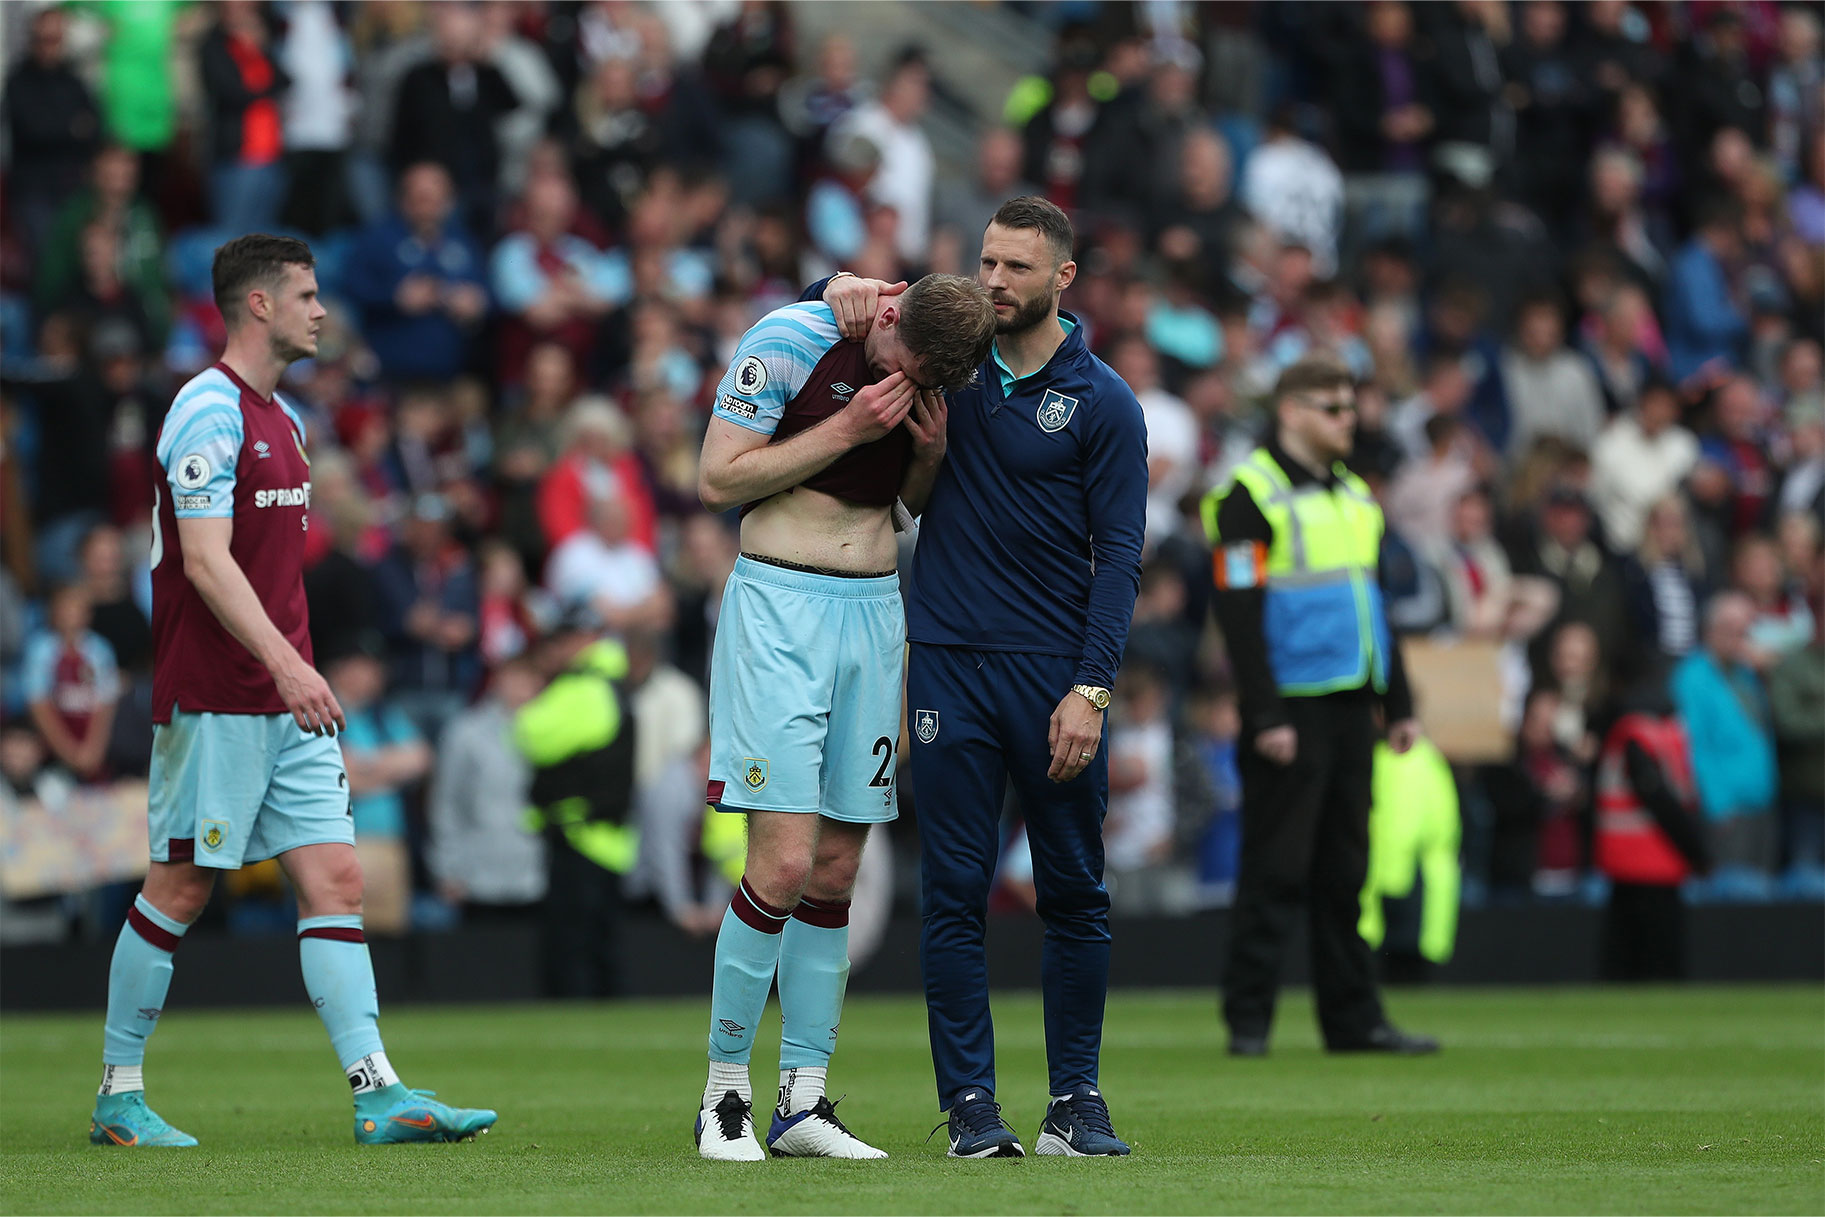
(1314, 373)
(1439, 428)
(1044, 217)
(256, 260)
(1718, 211)
(1537, 300)
(948, 323)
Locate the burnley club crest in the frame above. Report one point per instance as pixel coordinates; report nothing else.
(925, 725)
(1055, 410)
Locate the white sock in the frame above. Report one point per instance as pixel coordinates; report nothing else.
(800, 1089)
(724, 1077)
(371, 1072)
(119, 1079)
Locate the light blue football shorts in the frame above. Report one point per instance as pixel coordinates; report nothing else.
(805, 694)
(230, 789)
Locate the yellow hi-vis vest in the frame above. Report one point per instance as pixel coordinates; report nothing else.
(568, 726)
(1324, 620)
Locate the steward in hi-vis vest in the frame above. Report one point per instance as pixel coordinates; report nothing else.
(578, 735)
(1296, 543)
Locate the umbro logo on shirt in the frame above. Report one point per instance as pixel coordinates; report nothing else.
(841, 392)
(262, 449)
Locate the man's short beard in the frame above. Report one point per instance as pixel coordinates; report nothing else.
(1026, 316)
(286, 352)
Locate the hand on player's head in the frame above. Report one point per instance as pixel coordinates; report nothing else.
(853, 301)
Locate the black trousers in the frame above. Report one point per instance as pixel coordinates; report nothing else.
(1305, 845)
(579, 931)
(1644, 933)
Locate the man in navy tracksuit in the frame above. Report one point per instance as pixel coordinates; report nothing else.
(1023, 586)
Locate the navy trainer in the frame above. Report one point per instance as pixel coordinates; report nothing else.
(977, 1129)
(1078, 1126)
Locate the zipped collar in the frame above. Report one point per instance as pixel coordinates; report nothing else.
(1069, 351)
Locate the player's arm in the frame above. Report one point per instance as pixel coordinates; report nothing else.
(740, 465)
(222, 584)
(1115, 501)
(852, 300)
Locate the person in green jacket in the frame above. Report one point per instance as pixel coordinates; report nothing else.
(111, 198)
(578, 736)
(137, 96)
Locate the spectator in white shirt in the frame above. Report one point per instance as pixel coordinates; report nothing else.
(907, 171)
(1291, 186)
(602, 568)
(1172, 435)
(1551, 389)
(1139, 829)
(1639, 459)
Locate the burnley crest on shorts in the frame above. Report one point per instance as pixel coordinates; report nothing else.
(757, 772)
(1055, 410)
(925, 725)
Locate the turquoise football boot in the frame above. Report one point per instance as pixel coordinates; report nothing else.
(124, 1119)
(397, 1114)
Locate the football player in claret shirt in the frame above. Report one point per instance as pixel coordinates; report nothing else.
(245, 764)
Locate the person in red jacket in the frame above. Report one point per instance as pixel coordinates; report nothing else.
(597, 463)
(1648, 840)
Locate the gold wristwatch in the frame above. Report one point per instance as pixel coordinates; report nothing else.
(1097, 697)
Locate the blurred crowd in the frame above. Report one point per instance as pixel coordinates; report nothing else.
(1575, 254)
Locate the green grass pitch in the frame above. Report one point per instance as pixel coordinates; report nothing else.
(1544, 1101)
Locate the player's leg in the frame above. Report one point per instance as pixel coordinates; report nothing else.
(138, 978)
(1279, 817)
(207, 778)
(813, 975)
(958, 781)
(1065, 833)
(858, 788)
(780, 848)
(770, 690)
(305, 823)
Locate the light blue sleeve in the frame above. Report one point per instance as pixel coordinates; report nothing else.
(610, 276)
(835, 222)
(100, 656)
(514, 273)
(38, 666)
(773, 362)
(198, 449)
(693, 273)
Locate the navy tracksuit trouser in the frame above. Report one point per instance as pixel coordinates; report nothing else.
(978, 720)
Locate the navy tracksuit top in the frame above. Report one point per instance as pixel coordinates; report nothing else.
(1032, 539)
